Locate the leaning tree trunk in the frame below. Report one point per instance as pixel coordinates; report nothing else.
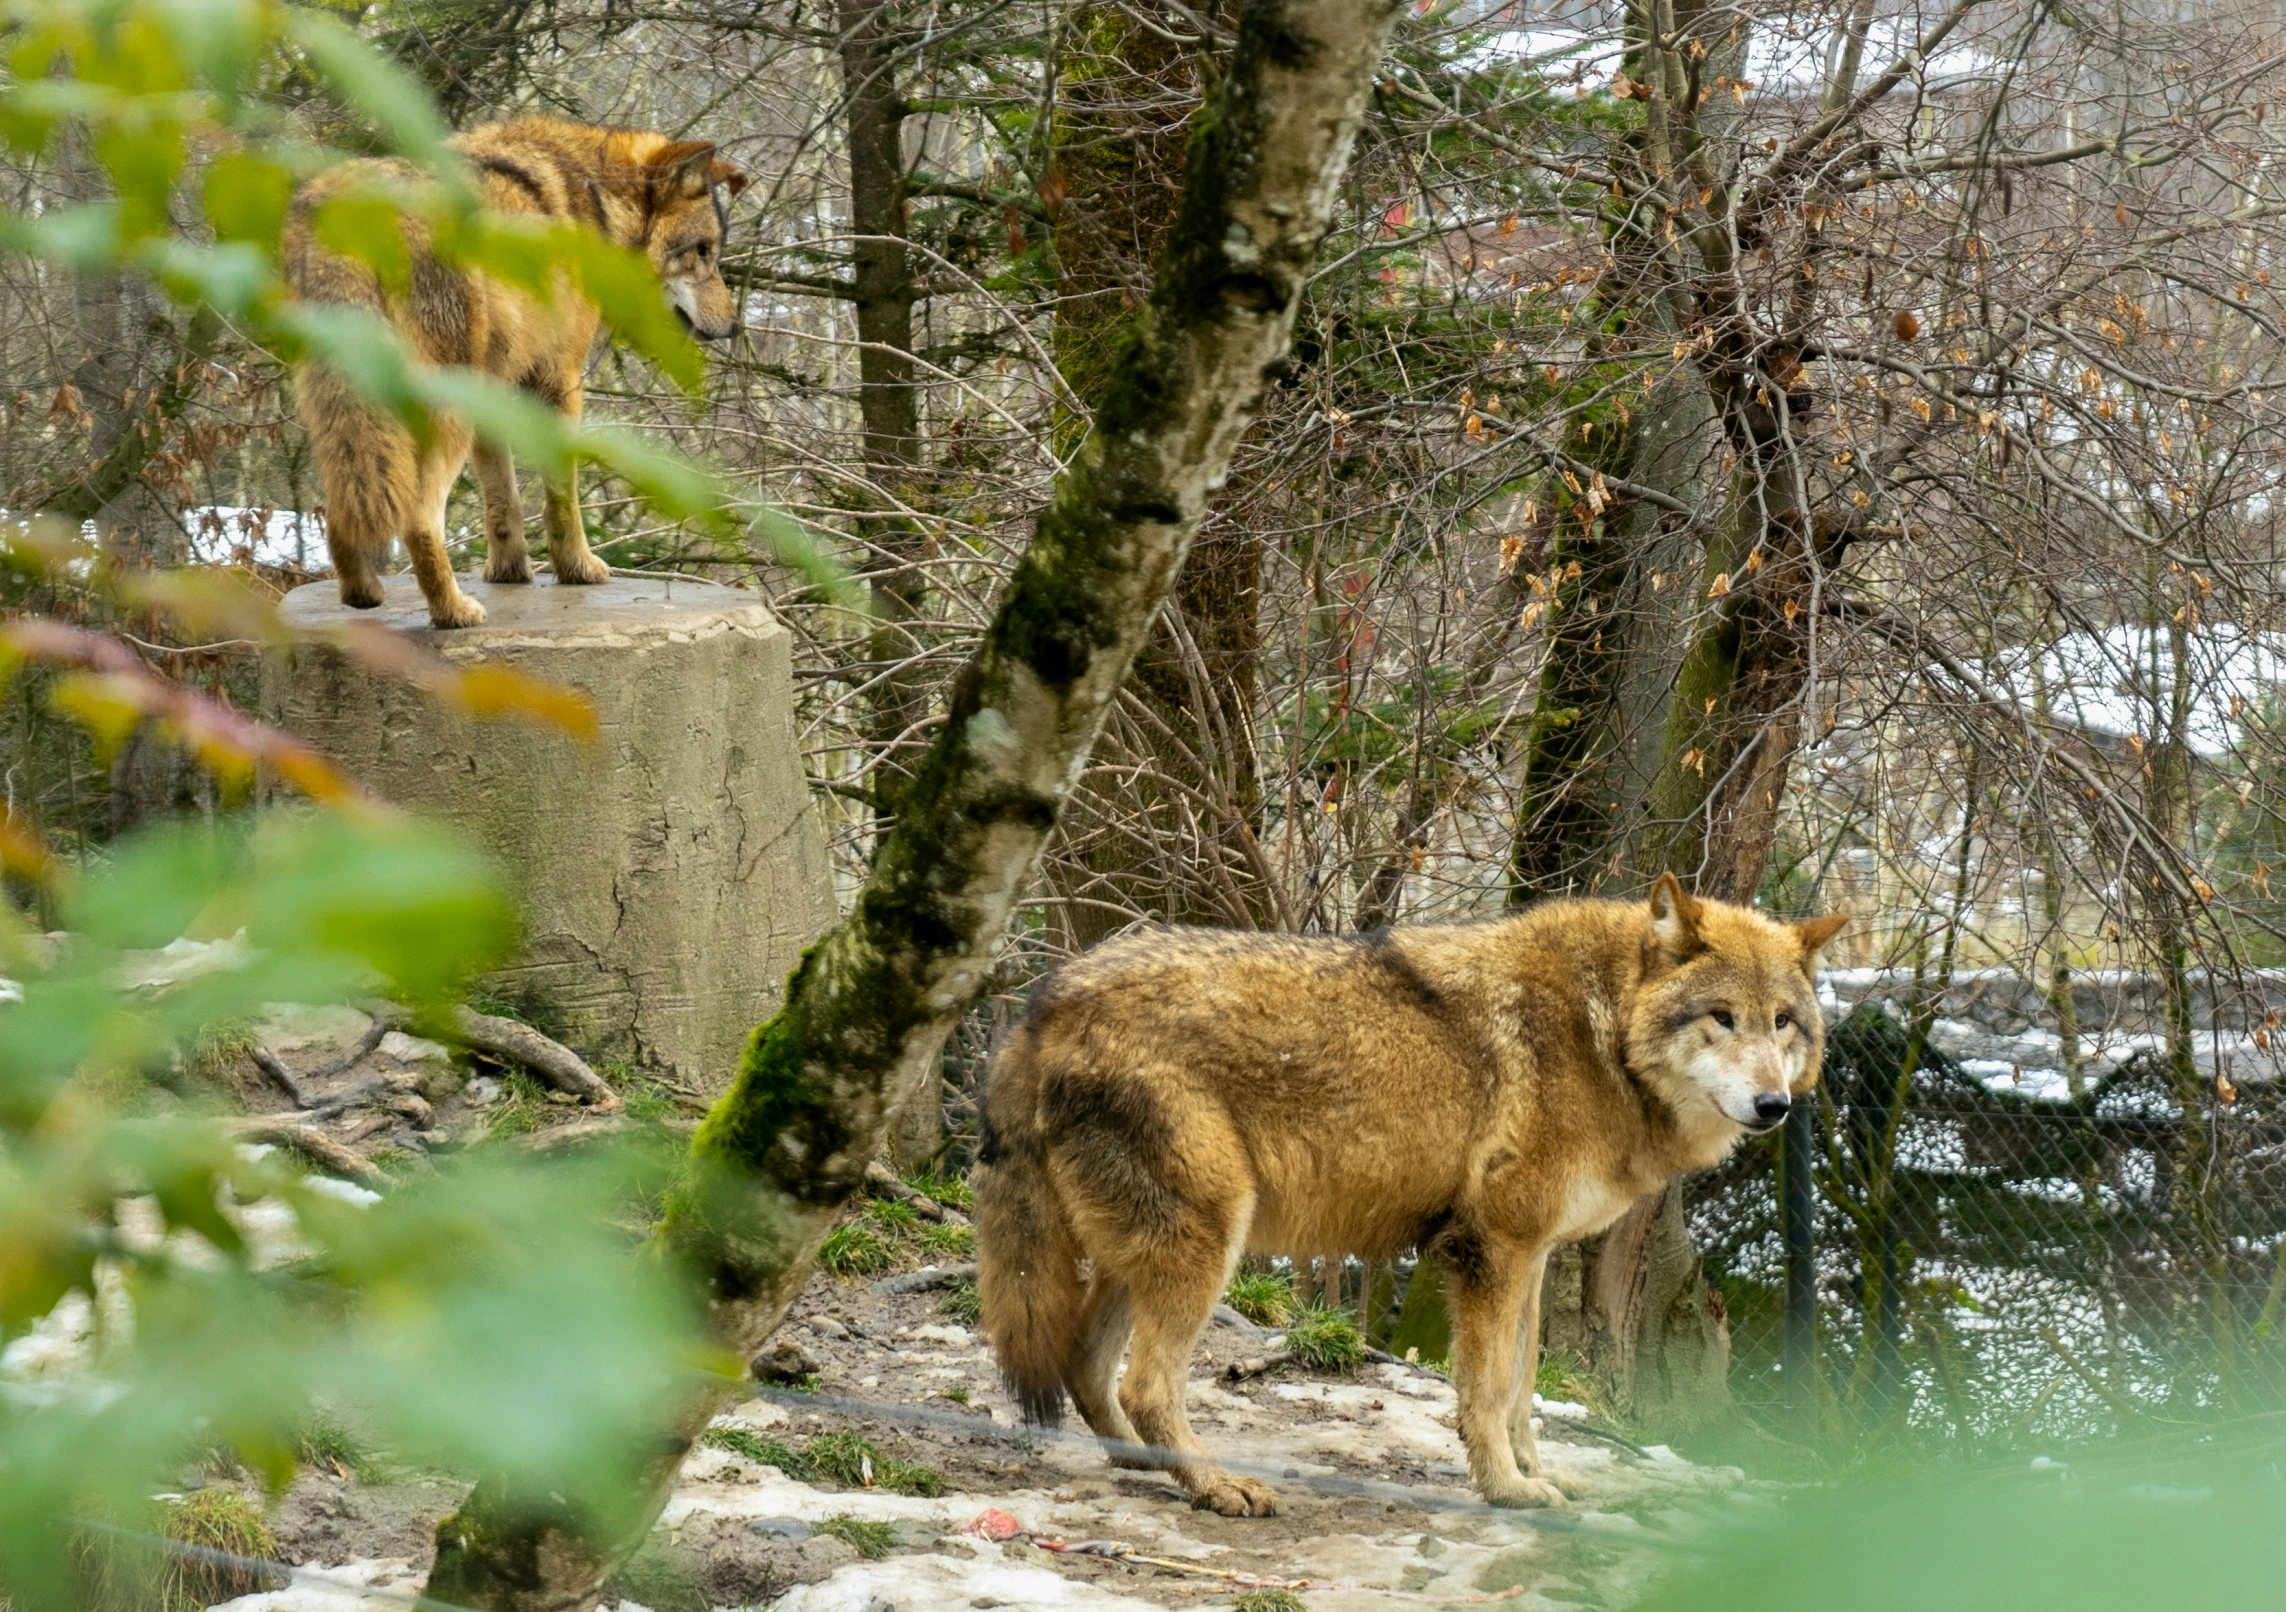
(868, 1011)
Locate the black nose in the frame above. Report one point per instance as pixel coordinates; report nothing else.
(1771, 1106)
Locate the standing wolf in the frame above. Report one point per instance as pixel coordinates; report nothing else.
(646, 191)
(1480, 1091)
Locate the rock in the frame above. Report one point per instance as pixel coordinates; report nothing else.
(929, 1276)
(413, 1049)
(1227, 1330)
(670, 872)
(332, 1032)
(736, 1564)
(784, 1362)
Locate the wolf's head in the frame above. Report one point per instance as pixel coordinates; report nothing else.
(687, 214)
(1725, 1025)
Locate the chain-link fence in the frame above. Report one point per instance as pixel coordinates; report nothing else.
(1957, 1248)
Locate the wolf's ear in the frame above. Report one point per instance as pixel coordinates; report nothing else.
(1813, 933)
(1674, 920)
(683, 168)
(728, 174)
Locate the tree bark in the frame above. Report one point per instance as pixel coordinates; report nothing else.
(883, 293)
(1121, 116)
(868, 1011)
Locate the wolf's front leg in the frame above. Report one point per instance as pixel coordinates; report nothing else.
(568, 554)
(1521, 1438)
(1488, 1300)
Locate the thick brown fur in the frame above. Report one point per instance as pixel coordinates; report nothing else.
(1481, 1092)
(641, 190)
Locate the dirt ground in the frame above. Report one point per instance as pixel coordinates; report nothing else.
(1376, 1508)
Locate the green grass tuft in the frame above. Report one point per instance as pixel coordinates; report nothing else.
(841, 1458)
(219, 1520)
(647, 1104)
(330, 1447)
(754, 1447)
(871, 1540)
(950, 1241)
(945, 1189)
(960, 1302)
(1326, 1340)
(855, 1248)
(1265, 1298)
(1269, 1601)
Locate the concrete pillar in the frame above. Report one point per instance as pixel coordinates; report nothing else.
(671, 873)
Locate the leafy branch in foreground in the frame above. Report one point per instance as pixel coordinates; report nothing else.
(191, 1291)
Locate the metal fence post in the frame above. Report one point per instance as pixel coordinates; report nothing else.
(1798, 1232)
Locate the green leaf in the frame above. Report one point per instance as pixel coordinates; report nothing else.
(218, 38)
(625, 286)
(232, 278)
(147, 895)
(417, 906)
(85, 238)
(370, 228)
(246, 198)
(357, 344)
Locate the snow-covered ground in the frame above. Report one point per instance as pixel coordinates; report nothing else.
(217, 533)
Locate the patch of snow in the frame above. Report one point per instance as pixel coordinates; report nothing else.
(357, 1586)
(986, 1579)
(180, 960)
(414, 1049)
(274, 536)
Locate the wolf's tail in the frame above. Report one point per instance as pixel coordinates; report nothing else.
(365, 461)
(1027, 1255)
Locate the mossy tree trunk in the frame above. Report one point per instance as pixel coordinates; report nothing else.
(868, 1011)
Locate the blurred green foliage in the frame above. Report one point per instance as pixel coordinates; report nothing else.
(168, 1290)
(2183, 1534)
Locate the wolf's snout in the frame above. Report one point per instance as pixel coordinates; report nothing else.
(1770, 1107)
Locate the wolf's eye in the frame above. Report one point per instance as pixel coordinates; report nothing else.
(1721, 1016)
(1784, 1019)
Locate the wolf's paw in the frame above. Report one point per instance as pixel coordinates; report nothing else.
(1564, 1478)
(513, 567)
(458, 611)
(1235, 1497)
(362, 594)
(1524, 1494)
(582, 570)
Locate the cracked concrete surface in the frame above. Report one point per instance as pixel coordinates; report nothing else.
(671, 872)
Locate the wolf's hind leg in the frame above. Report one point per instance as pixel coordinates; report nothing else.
(424, 530)
(1172, 1297)
(507, 557)
(1093, 1377)
(353, 567)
